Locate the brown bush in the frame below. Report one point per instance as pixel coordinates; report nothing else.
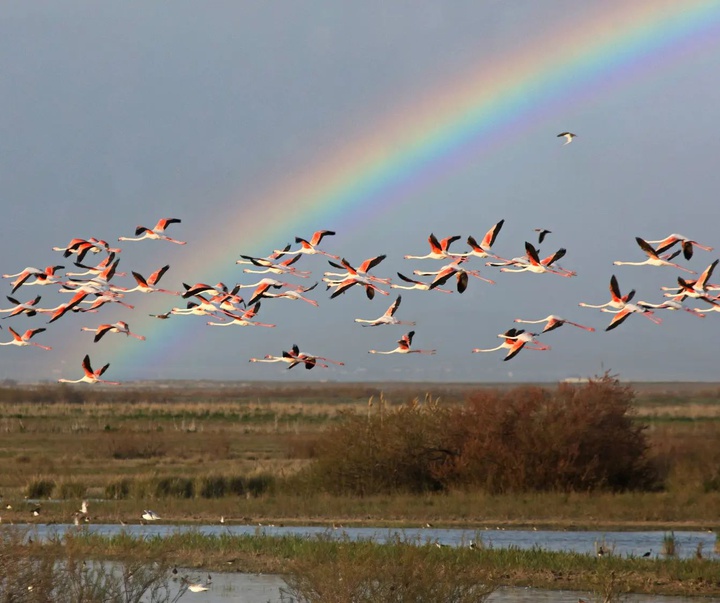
(576, 437)
(570, 438)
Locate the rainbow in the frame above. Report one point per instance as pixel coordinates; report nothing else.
(454, 123)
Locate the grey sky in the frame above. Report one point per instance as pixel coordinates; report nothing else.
(117, 114)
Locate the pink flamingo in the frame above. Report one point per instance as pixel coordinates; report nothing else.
(148, 285)
(90, 376)
(515, 340)
(653, 258)
(403, 347)
(310, 247)
(439, 250)
(388, 318)
(141, 232)
(24, 339)
(554, 322)
(118, 327)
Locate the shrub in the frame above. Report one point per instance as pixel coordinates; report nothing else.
(174, 487)
(40, 488)
(262, 483)
(569, 438)
(213, 486)
(119, 489)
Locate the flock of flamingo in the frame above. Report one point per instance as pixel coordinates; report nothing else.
(95, 286)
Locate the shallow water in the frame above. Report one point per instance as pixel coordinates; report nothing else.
(266, 588)
(625, 544)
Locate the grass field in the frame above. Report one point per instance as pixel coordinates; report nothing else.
(74, 443)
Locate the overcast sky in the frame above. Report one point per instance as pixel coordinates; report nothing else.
(117, 114)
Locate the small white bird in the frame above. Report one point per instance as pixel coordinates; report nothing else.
(150, 515)
(197, 588)
(568, 135)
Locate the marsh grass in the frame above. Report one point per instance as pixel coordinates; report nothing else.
(52, 572)
(414, 566)
(670, 545)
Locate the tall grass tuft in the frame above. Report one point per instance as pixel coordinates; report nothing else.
(175, 487)
(669, 545)
(71, 489)
(359, 572)
(40, 488)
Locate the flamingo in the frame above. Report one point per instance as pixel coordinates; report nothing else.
(653, 258)
(362, 269)
(27, 307)
(697, 289)
(304, 355)
(242, 320)
(515, 340)
(295, 294)
(438, 249)
(354, 279)
(148, 285)
(483, 249)
(63, 309)
(616, 300)
(403, 347)
(163, 316)
(671, 304)
(90, 375)
(24, 339)
(310, 247)
(628, 309)
(554, 322)
(42, 277)
(97, 284)
(96, 270)
(542, 233)
(284, 267)
(105, 297)
(568, 135)
(388, 318)
(141, 232)
(118, 327)
(416, 285)
(263, 285)
(538, 266)
(276, 255)
(452, 269)
(685, 243)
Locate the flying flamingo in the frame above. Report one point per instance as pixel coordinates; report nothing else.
(697, 289)
(628, 309)
(452, 269)
(616, 300)
(362, 269)
(542, 233)
(483, 249)
(118, 327)
(671, 304)
(42, 277)
(263, 285)
(568, 135)
(653, 258)
(538, 266)
(304, 355)
(515, 340)
(438, 249)
(685, 243)
(554, 322)
(310, 247)
(27, 307)
(24, 339)
(284, 267)
(388, 318)
(276, 255)
(96, 270)
(105, 297)
(350, 281)
(416, 285)
(63, 309)
(295, 294)
(242, 320)
(90, 376)
(141, 232)
(403, 347)
(148, 285)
